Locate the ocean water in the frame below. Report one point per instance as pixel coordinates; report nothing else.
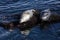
(9, 7)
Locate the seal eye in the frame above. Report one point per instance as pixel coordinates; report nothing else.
(46, 14)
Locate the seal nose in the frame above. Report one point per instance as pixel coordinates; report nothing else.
(46, 14)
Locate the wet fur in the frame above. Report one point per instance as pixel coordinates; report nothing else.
(30, 23)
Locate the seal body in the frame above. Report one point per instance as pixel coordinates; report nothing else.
(48, 18)
(28, 19)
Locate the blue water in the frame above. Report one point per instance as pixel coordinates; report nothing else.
(9, 7)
